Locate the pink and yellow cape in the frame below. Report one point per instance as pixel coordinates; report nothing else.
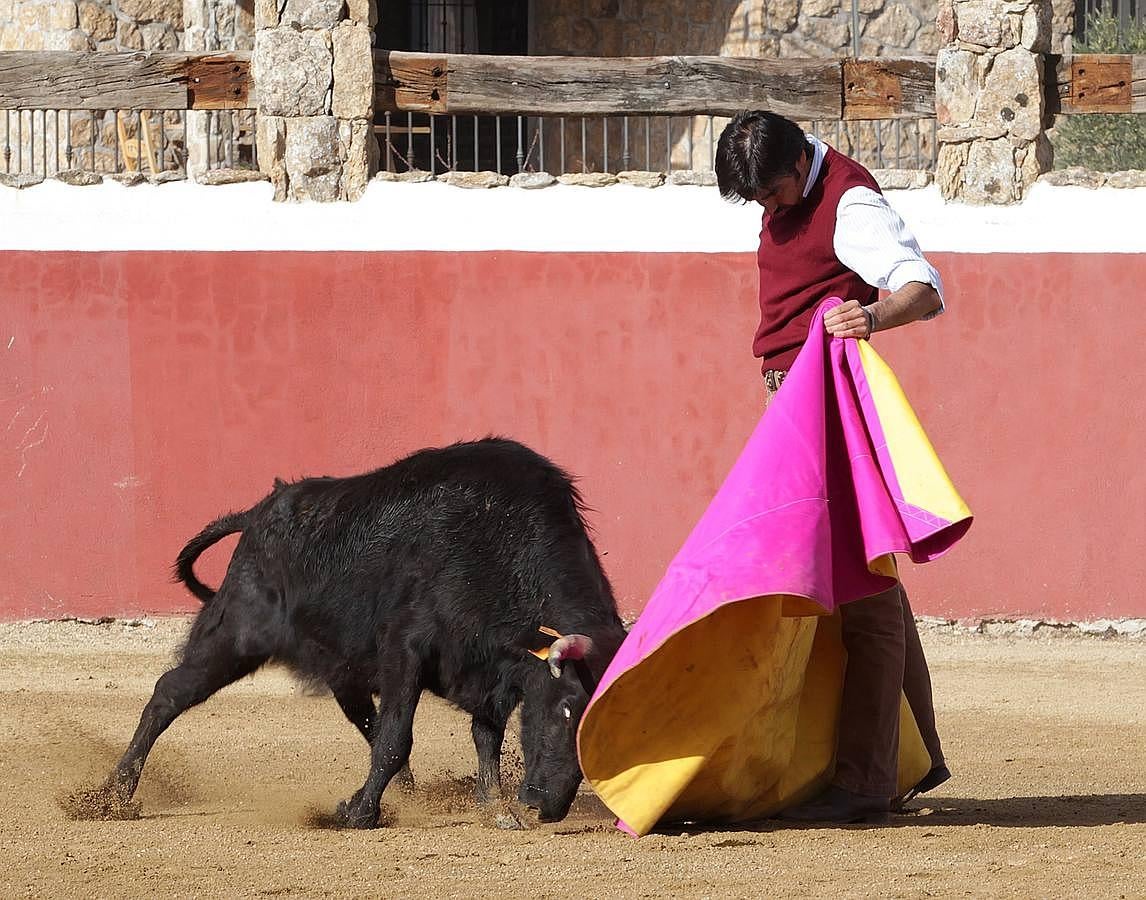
(722, 703)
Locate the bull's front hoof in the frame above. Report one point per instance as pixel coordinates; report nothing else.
(507, 821)
(351, 815)
(102, 804)
(504, 815)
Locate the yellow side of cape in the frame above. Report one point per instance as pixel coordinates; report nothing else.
(921, 476)
(745, 705)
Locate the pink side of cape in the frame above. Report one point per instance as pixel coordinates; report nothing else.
(811, 501)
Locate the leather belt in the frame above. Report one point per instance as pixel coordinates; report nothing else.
(773, 378)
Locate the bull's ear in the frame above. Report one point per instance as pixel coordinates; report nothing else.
(571, 647)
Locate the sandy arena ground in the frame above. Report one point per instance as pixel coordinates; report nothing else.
(1046, 736)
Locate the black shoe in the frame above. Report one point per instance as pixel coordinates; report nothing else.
(931, 780)
(835, 805)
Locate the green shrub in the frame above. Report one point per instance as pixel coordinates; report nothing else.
(1099, 141)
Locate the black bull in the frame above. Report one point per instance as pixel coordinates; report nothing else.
(434, 573)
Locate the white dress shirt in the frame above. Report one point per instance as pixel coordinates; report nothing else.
(872, 240)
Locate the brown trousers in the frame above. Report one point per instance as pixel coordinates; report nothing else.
(885, 657)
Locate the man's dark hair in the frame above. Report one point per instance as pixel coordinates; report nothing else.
(754, 150)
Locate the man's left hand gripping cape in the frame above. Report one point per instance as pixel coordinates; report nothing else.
(722, 703)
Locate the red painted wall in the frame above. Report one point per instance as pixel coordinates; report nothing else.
(145, 393)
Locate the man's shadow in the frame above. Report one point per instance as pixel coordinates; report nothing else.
(1069, 811)
(1080, 811)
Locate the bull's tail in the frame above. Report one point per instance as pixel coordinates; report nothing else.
(213, 533)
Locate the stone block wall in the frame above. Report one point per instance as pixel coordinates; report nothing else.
(765, 28)
(314, 68)
(768, 28)
(989, 90)
(90, 24)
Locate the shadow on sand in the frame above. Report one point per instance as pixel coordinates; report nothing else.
(1077, 811)
(1069, 811)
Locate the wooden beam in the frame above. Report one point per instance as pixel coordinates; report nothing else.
(804, 89)
(596, 86)
(1102, 83)
(66, 79)
(886, 88)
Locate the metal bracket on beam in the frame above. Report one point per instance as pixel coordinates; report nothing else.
(1101, 83)
(218, 82)
(412, 85)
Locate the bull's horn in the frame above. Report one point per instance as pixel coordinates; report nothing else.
(572, 646)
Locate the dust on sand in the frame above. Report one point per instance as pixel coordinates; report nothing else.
(1046, 737)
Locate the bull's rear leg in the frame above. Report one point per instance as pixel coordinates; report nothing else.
(390, 744)
(357, 705)
(215, 655)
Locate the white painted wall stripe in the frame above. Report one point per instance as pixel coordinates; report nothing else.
(671, 219)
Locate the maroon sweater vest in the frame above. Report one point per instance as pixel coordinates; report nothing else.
(798, 264)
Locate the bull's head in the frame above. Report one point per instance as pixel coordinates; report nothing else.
(553, 707)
